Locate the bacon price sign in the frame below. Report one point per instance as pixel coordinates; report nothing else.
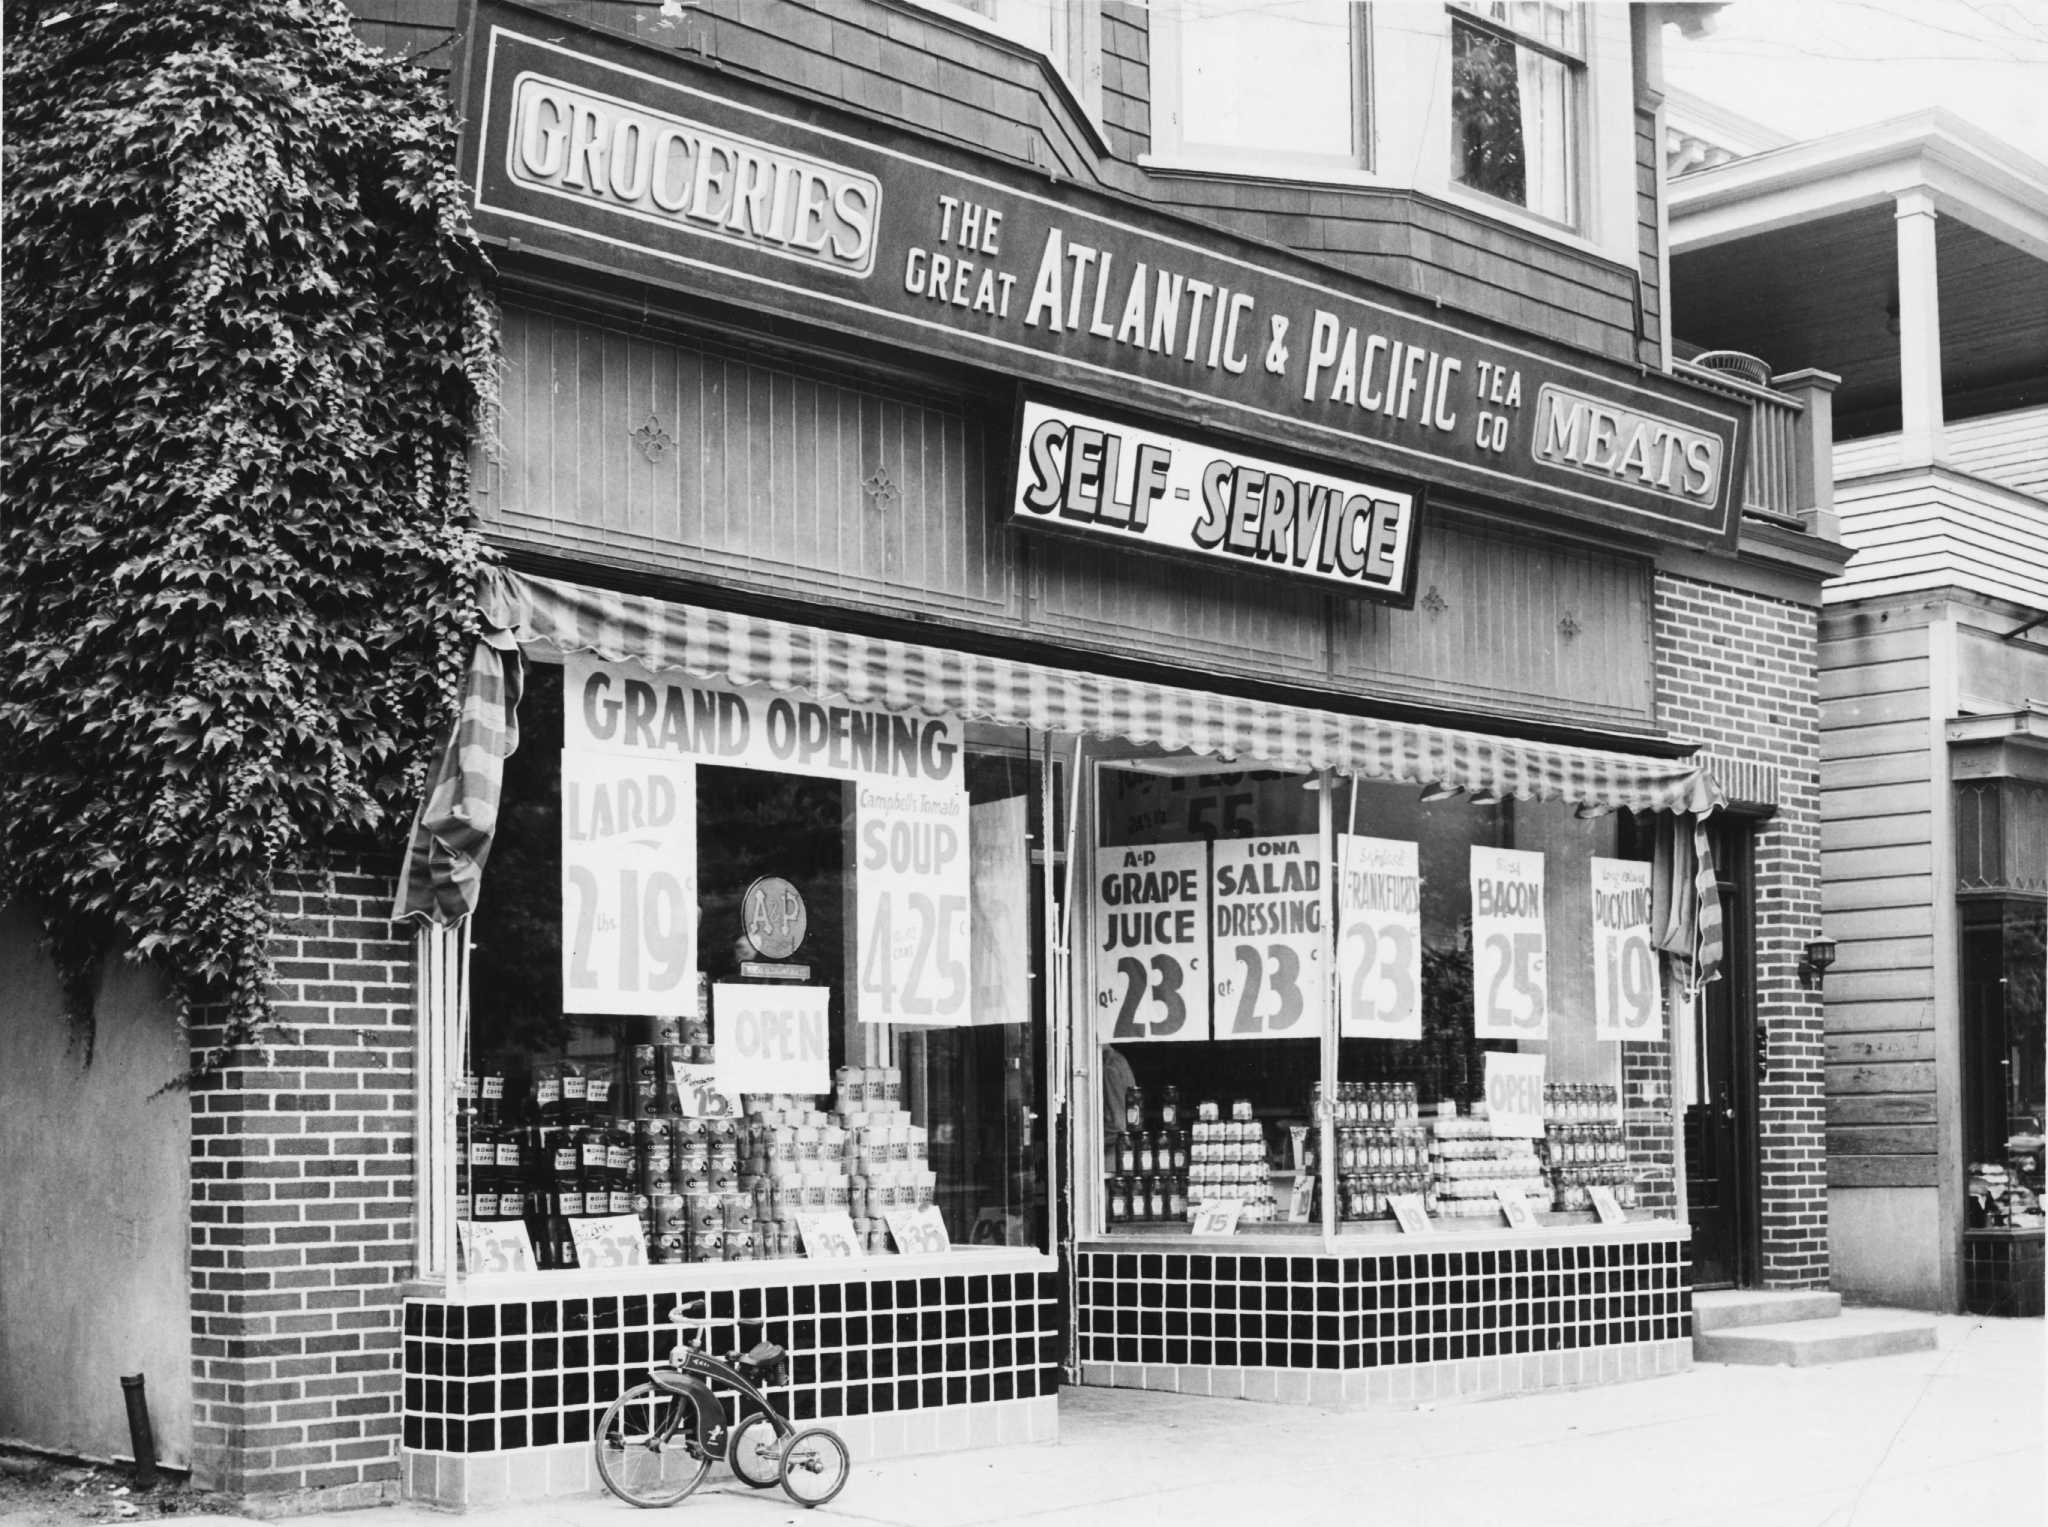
(1509, 982)
(1379, 948)
(1267, 915)
(629, 884)
(911, 895)
(1625, 1004)
(1151, 908)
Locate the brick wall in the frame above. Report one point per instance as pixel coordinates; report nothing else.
(302, 1214)
(1738, 673)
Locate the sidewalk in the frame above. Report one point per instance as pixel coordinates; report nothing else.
(1926, 1439)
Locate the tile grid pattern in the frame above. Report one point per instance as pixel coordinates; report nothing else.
(1345, 1313)
(525, 1373)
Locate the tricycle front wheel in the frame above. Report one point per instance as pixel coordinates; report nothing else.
(648, 1450)
(755, 1452)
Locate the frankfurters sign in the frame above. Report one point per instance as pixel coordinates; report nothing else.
(1119, 484)
(593, 150)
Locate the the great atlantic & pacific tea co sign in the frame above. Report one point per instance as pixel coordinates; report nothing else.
(589, 148)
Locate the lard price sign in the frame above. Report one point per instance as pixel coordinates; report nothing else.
(629, 885)
(911, 890)
(1379, 949)
(1514, 1096)
(1509, 988)
(1625, 1002)
(1266, 913)
(771, 1039)
(1151, 913)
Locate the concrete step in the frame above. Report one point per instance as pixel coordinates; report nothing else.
(1852, 1335)
(1729, 1307)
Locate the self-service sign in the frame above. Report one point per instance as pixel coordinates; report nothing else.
(1115, 483)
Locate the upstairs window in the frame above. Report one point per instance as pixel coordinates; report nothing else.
(1278, 79)
(1517, 81)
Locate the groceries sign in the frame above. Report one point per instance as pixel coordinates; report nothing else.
(595, 150)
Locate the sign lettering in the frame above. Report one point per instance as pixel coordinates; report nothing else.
(1379, 948)
(771, 1039)
(1514, 1095)
(616, 1240)
(1267, 926)
(828, 1236)
(1625, 984)
(1151, 908)
(1509, 958)
(911, 893)
(629, 884)
(1098, 479)
(919, 1232)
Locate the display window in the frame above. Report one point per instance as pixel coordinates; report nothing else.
(1315, 1001)
(753, 977)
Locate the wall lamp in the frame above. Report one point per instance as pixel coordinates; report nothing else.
(1814, 963)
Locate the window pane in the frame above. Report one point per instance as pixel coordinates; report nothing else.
(575, 1117)
(1273, 77)
(1028, 21)
(1546, 21)
(1512, 132)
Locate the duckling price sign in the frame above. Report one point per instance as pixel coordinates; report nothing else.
(1625, 993)
(1151, 916)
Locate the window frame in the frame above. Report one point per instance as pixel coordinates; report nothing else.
(1578, 106)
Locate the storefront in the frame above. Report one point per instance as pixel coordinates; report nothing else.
(1049, 795)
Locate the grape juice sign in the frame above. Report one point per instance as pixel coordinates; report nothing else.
(629, 885)
(1379, 951)
(1625, 1004)
(911, 893)
(1151, 913)
(1270, 929)
(1509, 987)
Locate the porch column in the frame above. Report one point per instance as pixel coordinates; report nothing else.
(1919, 332)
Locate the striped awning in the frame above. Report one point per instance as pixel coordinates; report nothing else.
(519, 610)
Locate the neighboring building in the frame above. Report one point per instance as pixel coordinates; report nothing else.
(1911, 257)
(992, 495)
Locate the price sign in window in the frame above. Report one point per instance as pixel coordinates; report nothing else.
(1267, 917)
(912, 892)
(1625, 1004)
(1379, 946)
(616, 1240)
(1510, 989)
(629, 885)
(491, 1247)
(1152, 936)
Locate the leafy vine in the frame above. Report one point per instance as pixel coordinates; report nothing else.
(250, 347)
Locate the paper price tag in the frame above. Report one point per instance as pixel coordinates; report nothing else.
(613, 1241)
(1605, 1205)
(828, 1236)
(1151, 905)
(491, 1247)
(1625, 986)
(1516, 1207)
(1409, 1213)
(1510, 990)
(919, 1232)
(1300, 1198)
(1218, 1216)
(698, 1093)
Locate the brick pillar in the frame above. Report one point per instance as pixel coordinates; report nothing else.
(1647, 1105)
(302, 1213)
(1739, 673)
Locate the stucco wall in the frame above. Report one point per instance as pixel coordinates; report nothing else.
(93, 1203)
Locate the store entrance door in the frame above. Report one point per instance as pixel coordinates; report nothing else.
(1720, 1124)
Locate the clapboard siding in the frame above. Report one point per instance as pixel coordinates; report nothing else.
(781, 478)
(1126, 78)
(1649, 267)
(2010, 449)
(1877, 798)
(1916, 531)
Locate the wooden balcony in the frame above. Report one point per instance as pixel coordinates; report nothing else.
(1790, 476)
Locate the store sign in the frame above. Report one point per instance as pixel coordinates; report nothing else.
(600, 152)
(626, 708)
(1379, 942)
(1116, 484)
(911, 903)
(493, 1247)
(615, 1240)
(629, 885)
(1625, 989)
(919, 1232)
(771, 1039)
(1514, 1096)
(1510, 990)
(1268, 928)
(1151, 916)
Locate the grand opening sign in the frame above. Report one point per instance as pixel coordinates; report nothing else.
(599, 152)
(1079, 474)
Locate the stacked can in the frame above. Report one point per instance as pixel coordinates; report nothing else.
(887, 1157)
(793, 1164)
